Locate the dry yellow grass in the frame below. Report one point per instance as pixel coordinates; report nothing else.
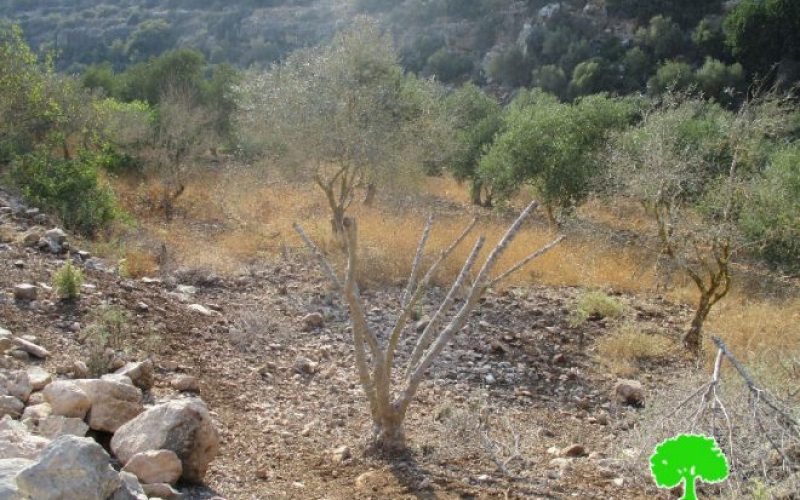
(623, 350)
(233, 218)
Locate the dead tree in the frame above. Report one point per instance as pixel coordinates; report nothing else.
(375, 362)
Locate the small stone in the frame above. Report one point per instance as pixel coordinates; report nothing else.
(39, 377)
(199, 309)
(11, 406)
(559, 359)
(25, 292)
(561, 463)
(629, 392)
(305, 366)
(16, 384)
(31, 348)
(37, 412)
(80, 370)
(185, 383)
(142, 307)
(573, 450)
(140, 373)
(341, 454)
(313, 320)
(161, 490)
(19, 264)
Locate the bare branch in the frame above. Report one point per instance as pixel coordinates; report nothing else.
(402, 318)
(323, 261)
(412, 280)
(519, 265)
(425, 339)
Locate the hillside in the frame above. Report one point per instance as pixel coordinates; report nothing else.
(570, 48)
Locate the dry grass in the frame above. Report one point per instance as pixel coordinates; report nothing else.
(138, 263)
(624, 350)
(231, 218)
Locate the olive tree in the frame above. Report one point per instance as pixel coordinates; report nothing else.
(689, 163)
(375, 359)
(552, 146)
(476, 118)
(343, 115)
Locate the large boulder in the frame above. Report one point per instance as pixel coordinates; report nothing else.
(70, 468)
(16, 440)
(112, 403)
(155, 466)
(9, 468)
(141, 373)
(182, 426)
(67, 399)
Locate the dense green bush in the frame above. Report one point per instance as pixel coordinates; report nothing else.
(476, 118)
(71, 188)
(771, 217)
(761, 33)
(552, 146)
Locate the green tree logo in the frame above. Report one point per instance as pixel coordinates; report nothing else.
(686, 458)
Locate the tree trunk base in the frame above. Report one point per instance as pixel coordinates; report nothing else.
(388, 441)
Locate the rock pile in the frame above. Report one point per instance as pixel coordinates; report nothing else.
(44, 451)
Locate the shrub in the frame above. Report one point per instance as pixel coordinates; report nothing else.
(138, 263)
(108, 332)
(596, 304)
(71, 188)
(67, 281)
(771, 217)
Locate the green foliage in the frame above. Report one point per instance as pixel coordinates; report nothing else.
(108, 332)
(761, 33)
(718, 80)
(550, 78)
(770, 218)
(26, 108)
(147, 81)
(150, 39)
(685, 459)
(72, 188)
(663, 38)
(591, 77)
(510, 67)
(686, 12)
(344, 109)
(552, 146)
(596, 304)
(476, 118)
(67, 281)
(448, 65)
(671, 75)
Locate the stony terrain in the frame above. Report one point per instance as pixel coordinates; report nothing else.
(518, 406)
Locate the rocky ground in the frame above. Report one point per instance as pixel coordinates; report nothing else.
(517, 407)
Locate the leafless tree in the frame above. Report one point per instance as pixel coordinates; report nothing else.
(375, 362)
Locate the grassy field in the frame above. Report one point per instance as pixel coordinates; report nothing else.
(231, 220)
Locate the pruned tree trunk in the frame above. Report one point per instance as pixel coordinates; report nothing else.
(375, 362)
